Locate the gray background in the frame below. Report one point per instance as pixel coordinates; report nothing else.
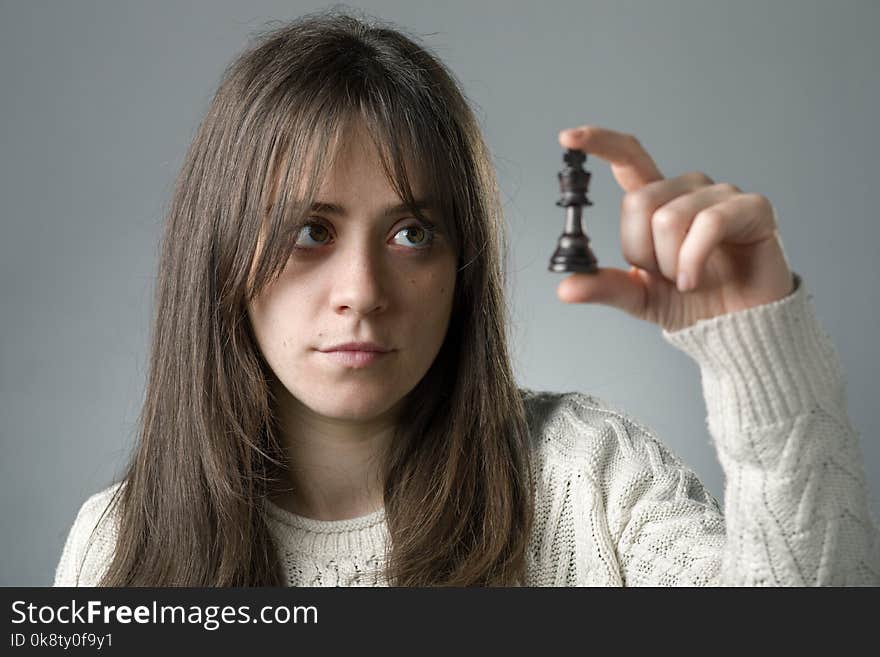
(99, 100)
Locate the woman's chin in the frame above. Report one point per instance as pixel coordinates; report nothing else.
(354, 406)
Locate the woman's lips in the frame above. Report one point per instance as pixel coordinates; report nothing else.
(356, 358)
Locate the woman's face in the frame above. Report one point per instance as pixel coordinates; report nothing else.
(362, 272)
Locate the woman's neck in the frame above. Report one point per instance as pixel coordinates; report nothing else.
(334, 466)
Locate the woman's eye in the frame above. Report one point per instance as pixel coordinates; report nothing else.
(311, 235)
(417, 236)
(314, 234)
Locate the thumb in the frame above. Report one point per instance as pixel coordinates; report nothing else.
(625, 290)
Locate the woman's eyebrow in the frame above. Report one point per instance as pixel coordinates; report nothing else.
(326, 207)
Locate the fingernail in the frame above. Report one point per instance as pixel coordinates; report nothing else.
(684, 282)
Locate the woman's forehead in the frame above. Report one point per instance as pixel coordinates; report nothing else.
(351, 153)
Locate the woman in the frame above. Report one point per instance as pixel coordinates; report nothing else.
(330, 399)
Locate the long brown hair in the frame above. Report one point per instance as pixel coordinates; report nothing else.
(458, 489)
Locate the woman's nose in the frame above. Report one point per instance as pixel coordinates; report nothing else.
(359, 284)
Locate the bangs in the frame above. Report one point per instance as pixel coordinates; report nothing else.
(413, 145)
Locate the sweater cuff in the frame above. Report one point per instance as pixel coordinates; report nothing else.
(763, 365)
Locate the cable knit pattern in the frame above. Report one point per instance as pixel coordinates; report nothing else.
(615, 507)
(330, 552)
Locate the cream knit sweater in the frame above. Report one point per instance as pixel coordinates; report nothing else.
(615, 507)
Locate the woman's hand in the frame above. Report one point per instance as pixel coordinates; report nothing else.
(698, 249)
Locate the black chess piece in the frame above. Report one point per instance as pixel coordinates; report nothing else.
(573, 252)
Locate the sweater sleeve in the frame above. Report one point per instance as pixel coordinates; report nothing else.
(796, 501)
(90, 543)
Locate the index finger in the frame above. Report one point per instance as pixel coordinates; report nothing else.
(632, 166)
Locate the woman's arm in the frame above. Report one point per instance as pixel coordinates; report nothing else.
(796, 502)
(90, 543)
